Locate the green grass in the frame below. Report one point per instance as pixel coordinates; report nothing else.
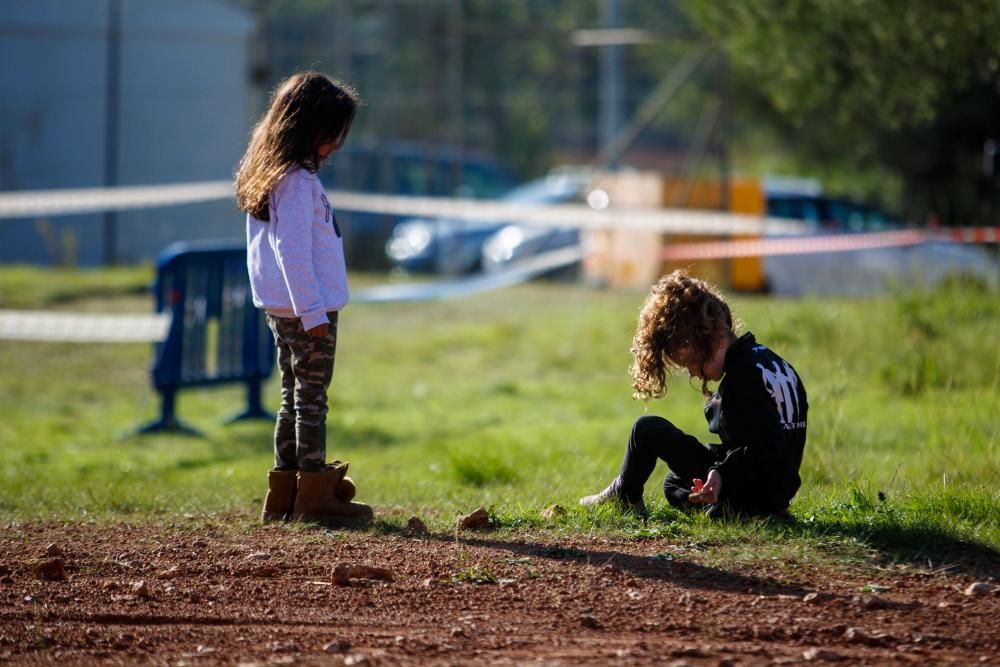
(519, 399)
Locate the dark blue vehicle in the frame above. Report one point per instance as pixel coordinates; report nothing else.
(455, 246)
(404, 168)
(864, 271)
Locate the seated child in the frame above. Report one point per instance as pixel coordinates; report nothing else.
(758, 411)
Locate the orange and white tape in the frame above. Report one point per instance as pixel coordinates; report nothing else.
(971, 234)
(804, 245)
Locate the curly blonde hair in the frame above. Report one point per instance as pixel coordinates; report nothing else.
(682, 316)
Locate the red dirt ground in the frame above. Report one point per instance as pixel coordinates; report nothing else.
(217, 594)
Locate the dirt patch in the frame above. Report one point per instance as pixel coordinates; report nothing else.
(210, 594)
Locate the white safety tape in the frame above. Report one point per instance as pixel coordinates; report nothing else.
(663, 220)
(99, 328)
(450, 289)
(82, 327)
(41, 203)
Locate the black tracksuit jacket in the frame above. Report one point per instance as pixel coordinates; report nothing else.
(759, 412)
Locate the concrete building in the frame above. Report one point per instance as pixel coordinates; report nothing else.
(126, 92)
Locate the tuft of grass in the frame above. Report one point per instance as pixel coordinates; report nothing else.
(480, 467)
(475, 575)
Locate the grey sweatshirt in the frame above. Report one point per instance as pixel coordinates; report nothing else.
(296, 260)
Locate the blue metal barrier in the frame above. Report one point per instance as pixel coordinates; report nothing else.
(216, 334)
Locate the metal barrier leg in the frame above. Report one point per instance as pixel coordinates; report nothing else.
(254, 409)
(168, 421)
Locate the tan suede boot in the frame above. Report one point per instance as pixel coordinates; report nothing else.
(326, 497)
(280, 497)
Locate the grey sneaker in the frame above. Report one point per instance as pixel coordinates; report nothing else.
(615, 494)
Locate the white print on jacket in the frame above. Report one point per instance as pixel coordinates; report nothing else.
(783, 386)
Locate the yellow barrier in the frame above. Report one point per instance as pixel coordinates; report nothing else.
(745, 196)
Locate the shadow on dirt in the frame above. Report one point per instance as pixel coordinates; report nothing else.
(927, 548)
(660, 566)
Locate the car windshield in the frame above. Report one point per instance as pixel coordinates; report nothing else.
(555, 188)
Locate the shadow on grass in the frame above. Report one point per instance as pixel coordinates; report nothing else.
(930, 547)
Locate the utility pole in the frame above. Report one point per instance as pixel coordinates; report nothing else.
(612, 104)
(260, 67)
(111, 123)
(456, 93)
(344, 54)
(384, 116)
(725, 122)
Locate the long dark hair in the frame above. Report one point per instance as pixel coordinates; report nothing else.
(307, 109)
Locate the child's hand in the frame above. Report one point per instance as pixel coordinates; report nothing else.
(319, 331)
(707, 493)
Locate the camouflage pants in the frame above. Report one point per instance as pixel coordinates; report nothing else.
(306, 365)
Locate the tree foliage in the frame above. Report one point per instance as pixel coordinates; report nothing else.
(913, 86)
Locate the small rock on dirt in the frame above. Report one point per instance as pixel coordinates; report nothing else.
(821, 654)
(53, 550)
(478, 519)
(171, 573)
(343, 573)
(868, 601)
(53, 569)
(816, 597)
(553, 512)
(141, 589)
(415, 526)
(980, 588)
(589, 621)
(860, 636)
(337, 646)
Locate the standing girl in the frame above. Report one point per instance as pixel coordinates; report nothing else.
(295, 257)
(759, 410)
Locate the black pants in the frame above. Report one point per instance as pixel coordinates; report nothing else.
(655, 438)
